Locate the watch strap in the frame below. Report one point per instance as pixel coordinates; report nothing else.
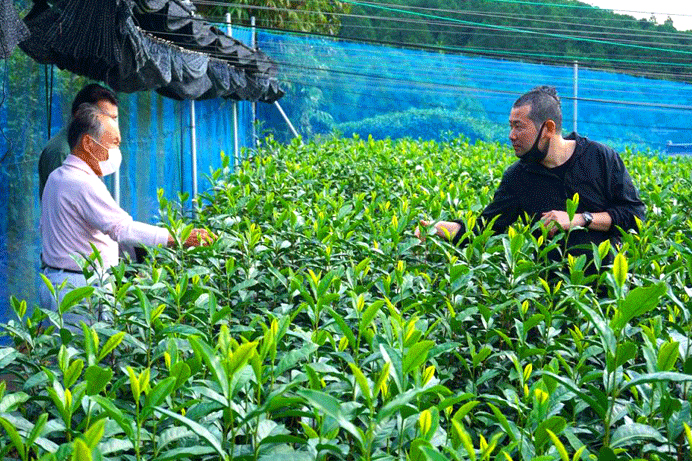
(588, 218)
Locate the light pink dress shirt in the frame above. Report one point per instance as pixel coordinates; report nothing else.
(77, 210)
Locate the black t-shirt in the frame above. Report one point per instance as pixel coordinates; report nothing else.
(560, 170)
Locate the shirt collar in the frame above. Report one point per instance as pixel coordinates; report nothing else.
(581, 142)
(76, 162)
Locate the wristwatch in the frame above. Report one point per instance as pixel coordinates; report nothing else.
(588, 218)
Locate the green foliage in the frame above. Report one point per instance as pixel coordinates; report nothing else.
(422, 123)
(318, 16)
(490, 27)
(318, 327)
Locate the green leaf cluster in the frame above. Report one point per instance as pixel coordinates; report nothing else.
(317, 326)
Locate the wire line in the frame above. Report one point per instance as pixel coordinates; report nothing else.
(521, 31)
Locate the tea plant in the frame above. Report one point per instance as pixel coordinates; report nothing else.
(317, 327)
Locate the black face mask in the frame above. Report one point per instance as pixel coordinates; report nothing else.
(534, 155)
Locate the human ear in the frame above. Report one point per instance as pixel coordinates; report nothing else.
(550, 127)
(86, 143)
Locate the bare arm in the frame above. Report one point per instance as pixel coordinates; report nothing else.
(602, 221)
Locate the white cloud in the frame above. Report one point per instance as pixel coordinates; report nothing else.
(680, 11)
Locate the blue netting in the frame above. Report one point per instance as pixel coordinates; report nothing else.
(394, 92)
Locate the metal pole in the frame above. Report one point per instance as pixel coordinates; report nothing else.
(236, 150)
(193, 148)
(253, 39)
(116, 186)
(116, 177)
(283, 114)
(576, 93)
(255, 140)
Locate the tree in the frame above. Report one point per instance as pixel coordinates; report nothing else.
(564, 29)
(316, 16)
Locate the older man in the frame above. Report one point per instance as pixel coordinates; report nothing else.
(78, 211)
(57, 149)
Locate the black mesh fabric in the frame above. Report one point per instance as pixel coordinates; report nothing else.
(12, 29)
(138, 45)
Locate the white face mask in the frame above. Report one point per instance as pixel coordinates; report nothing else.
(112, 163)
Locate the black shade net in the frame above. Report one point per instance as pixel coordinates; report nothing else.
(139, 45)
(12, 29)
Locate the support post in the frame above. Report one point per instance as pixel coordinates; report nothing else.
(193, 148)
(576, 94)
(234, 110)
(283, 114)
(236, 148)
(116, 186)
(255, 138)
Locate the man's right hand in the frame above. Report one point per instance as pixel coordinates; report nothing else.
(446, 229)
(198, 237)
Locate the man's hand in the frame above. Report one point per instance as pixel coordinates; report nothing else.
(198, 237)
(555, 220)
(444, 229)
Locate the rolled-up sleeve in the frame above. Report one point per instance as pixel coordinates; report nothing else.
(624, 201)
(505, 206)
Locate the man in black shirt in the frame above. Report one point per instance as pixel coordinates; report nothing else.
(551, 169)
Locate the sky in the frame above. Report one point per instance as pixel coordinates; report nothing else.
(680, 11)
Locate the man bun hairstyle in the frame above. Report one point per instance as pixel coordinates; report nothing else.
(92, 94)
(85, 121)
(545, 105)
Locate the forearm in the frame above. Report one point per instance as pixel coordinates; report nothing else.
(601, 222)
(138, 233)
(559, 220)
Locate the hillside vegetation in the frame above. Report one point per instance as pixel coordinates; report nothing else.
(559, 31)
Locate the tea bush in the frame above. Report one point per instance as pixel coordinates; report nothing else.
(317, 327)
(425, 123)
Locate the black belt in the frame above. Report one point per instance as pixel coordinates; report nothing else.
(71, 271)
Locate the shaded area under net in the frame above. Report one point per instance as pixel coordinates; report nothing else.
(149, 45)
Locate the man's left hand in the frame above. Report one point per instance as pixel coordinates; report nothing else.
(555, 220)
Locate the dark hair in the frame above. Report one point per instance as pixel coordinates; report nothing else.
(92, 94)
(545, 105)
(85, 121)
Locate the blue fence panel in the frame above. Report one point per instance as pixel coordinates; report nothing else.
(24, 126)
(394, 92)
(152, 143)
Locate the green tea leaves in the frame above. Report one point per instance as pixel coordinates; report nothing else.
(638, 302)
(620, 269)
